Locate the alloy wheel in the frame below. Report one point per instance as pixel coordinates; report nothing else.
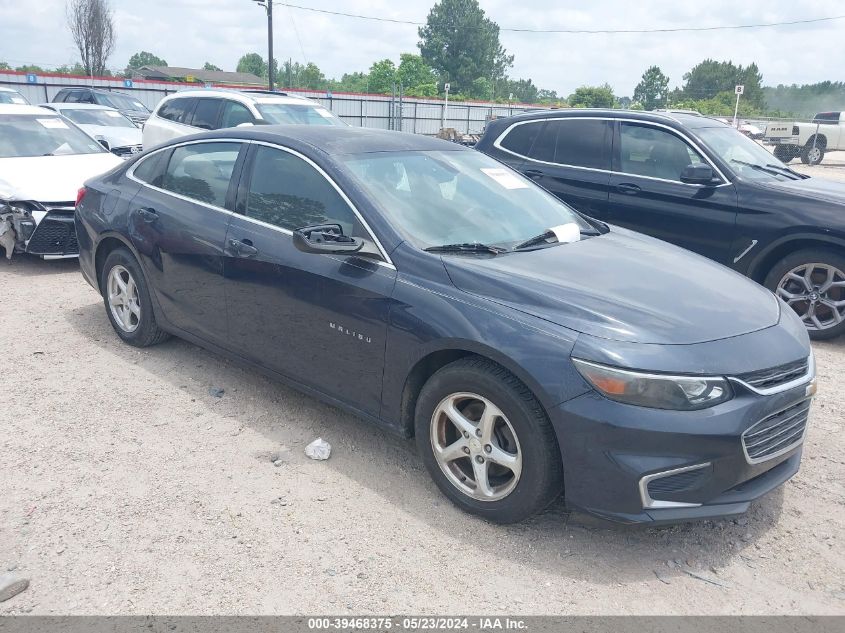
(123, 299)
(816, 291)
(814, 155)
(476, 446)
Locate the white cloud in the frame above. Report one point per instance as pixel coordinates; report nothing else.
(190, 32)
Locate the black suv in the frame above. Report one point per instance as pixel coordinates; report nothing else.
(129, 106)
(698, 183)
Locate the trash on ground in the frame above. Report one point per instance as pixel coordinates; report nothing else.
(217, 392)
(318, 449)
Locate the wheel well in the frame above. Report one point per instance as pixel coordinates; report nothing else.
(820, 142)
(419, 375)
(105, 247)
(779, 252)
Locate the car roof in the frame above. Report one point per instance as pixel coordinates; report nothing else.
(76, 106)
(674, 119)
(334, 140)
(244, 96)
(13, 108)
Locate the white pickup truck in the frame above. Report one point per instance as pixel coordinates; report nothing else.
(810, 141)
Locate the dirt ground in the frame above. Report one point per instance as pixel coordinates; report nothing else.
(127, 488)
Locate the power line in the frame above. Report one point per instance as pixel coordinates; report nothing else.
(580, 31)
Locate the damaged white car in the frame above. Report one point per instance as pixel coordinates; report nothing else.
(44, 160)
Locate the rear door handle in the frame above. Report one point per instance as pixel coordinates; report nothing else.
(628, 188)
(243, 248)
(533, 173)
(148, 215)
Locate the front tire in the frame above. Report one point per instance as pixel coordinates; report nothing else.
(812, 155)
(487, 442)
(127, 300)
(812, 282)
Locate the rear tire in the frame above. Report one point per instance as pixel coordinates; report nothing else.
(127, 300)
(785, 153)
(809, 295)
(503, 423)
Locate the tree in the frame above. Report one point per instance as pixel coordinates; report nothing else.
(209, 66)
(252, 63)
(144, 59)
(92, 27)
(710, 78)
(413, 71)
(593, 97)
(76, 69)
(5, 66)
(352, 82)
(653, 88)
(382, 76)
(29, 68)
(462, 44)
(523, 90)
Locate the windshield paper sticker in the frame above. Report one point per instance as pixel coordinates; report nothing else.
(113, 114)
(505, 177)
(54, 123)
(566, 233)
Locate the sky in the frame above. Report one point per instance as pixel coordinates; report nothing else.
(191, 32)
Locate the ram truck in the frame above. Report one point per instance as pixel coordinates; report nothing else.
(810, 141)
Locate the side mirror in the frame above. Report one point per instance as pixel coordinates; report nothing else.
(697, 174)
(326, 238)
(104, 143)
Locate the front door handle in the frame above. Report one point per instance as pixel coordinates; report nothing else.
(148, 215)
(533, 173)
(628, 188)
(243, 248)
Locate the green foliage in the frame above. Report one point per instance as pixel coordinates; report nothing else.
(709, 78)
(210, 66)
(252, 63)
(413, 72)
(808, 99)
(482, 88)
(523, 90)
(144, 59)
(31, 68)
(351, 82)
(382, 76)
(593, 97)
(462, 44)
(5, 66)
(76, 69)
(296, 75)
(653, 88)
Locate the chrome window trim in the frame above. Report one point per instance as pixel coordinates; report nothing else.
(695, 146)
(340, 192)
(655, 504)
(784, 450)
(809, 377)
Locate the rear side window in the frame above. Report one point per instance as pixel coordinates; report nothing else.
(202, 171)
(205, 114)
(521, 137)
(287, 192)
(151, 169)
(234, 114)
(826, 117)
(177, 110)
(574, 142)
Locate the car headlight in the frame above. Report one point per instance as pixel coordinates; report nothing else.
(658, 391)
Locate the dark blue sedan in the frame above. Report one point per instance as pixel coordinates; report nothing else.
(531, 350)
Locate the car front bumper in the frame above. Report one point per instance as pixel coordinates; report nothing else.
(637, 465)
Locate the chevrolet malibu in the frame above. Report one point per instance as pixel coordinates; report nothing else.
(530, 350)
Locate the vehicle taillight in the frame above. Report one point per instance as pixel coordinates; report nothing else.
(80, 195)
(794, 130)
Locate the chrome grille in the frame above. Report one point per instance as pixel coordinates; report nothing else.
(54, 235)
(777, 433)
(776, 376)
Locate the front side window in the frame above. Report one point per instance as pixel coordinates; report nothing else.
(234, 114)
(177, 110)
(653, 152)
(573, 142)
(202, 171)
(287, 192)
(43, 135)
(436, 198)
(521, 137)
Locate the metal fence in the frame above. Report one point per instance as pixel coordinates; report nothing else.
(410, 114)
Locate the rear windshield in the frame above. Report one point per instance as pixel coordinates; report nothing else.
(122, 102)
(306, 114)
(37, 135)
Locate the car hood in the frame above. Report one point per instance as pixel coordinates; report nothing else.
(827, 190)
(116, 136)
(622, 286)
(51, 178)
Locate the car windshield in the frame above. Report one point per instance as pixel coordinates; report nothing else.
(12, 97)
(122, 102)
(747, 158)
(43, 135)
(283, 113)
(439, 198)
(107, 118)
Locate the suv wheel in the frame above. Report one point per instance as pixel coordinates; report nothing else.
(812, 155)
(127, 300)
(812, 282)
(487, 442)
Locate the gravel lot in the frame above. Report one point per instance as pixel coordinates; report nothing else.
(127, 489)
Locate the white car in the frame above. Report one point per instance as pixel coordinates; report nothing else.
(112, 130)
(44, 160)
(10, 95)
(193, 111)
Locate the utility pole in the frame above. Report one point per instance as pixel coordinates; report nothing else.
(268, 5)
